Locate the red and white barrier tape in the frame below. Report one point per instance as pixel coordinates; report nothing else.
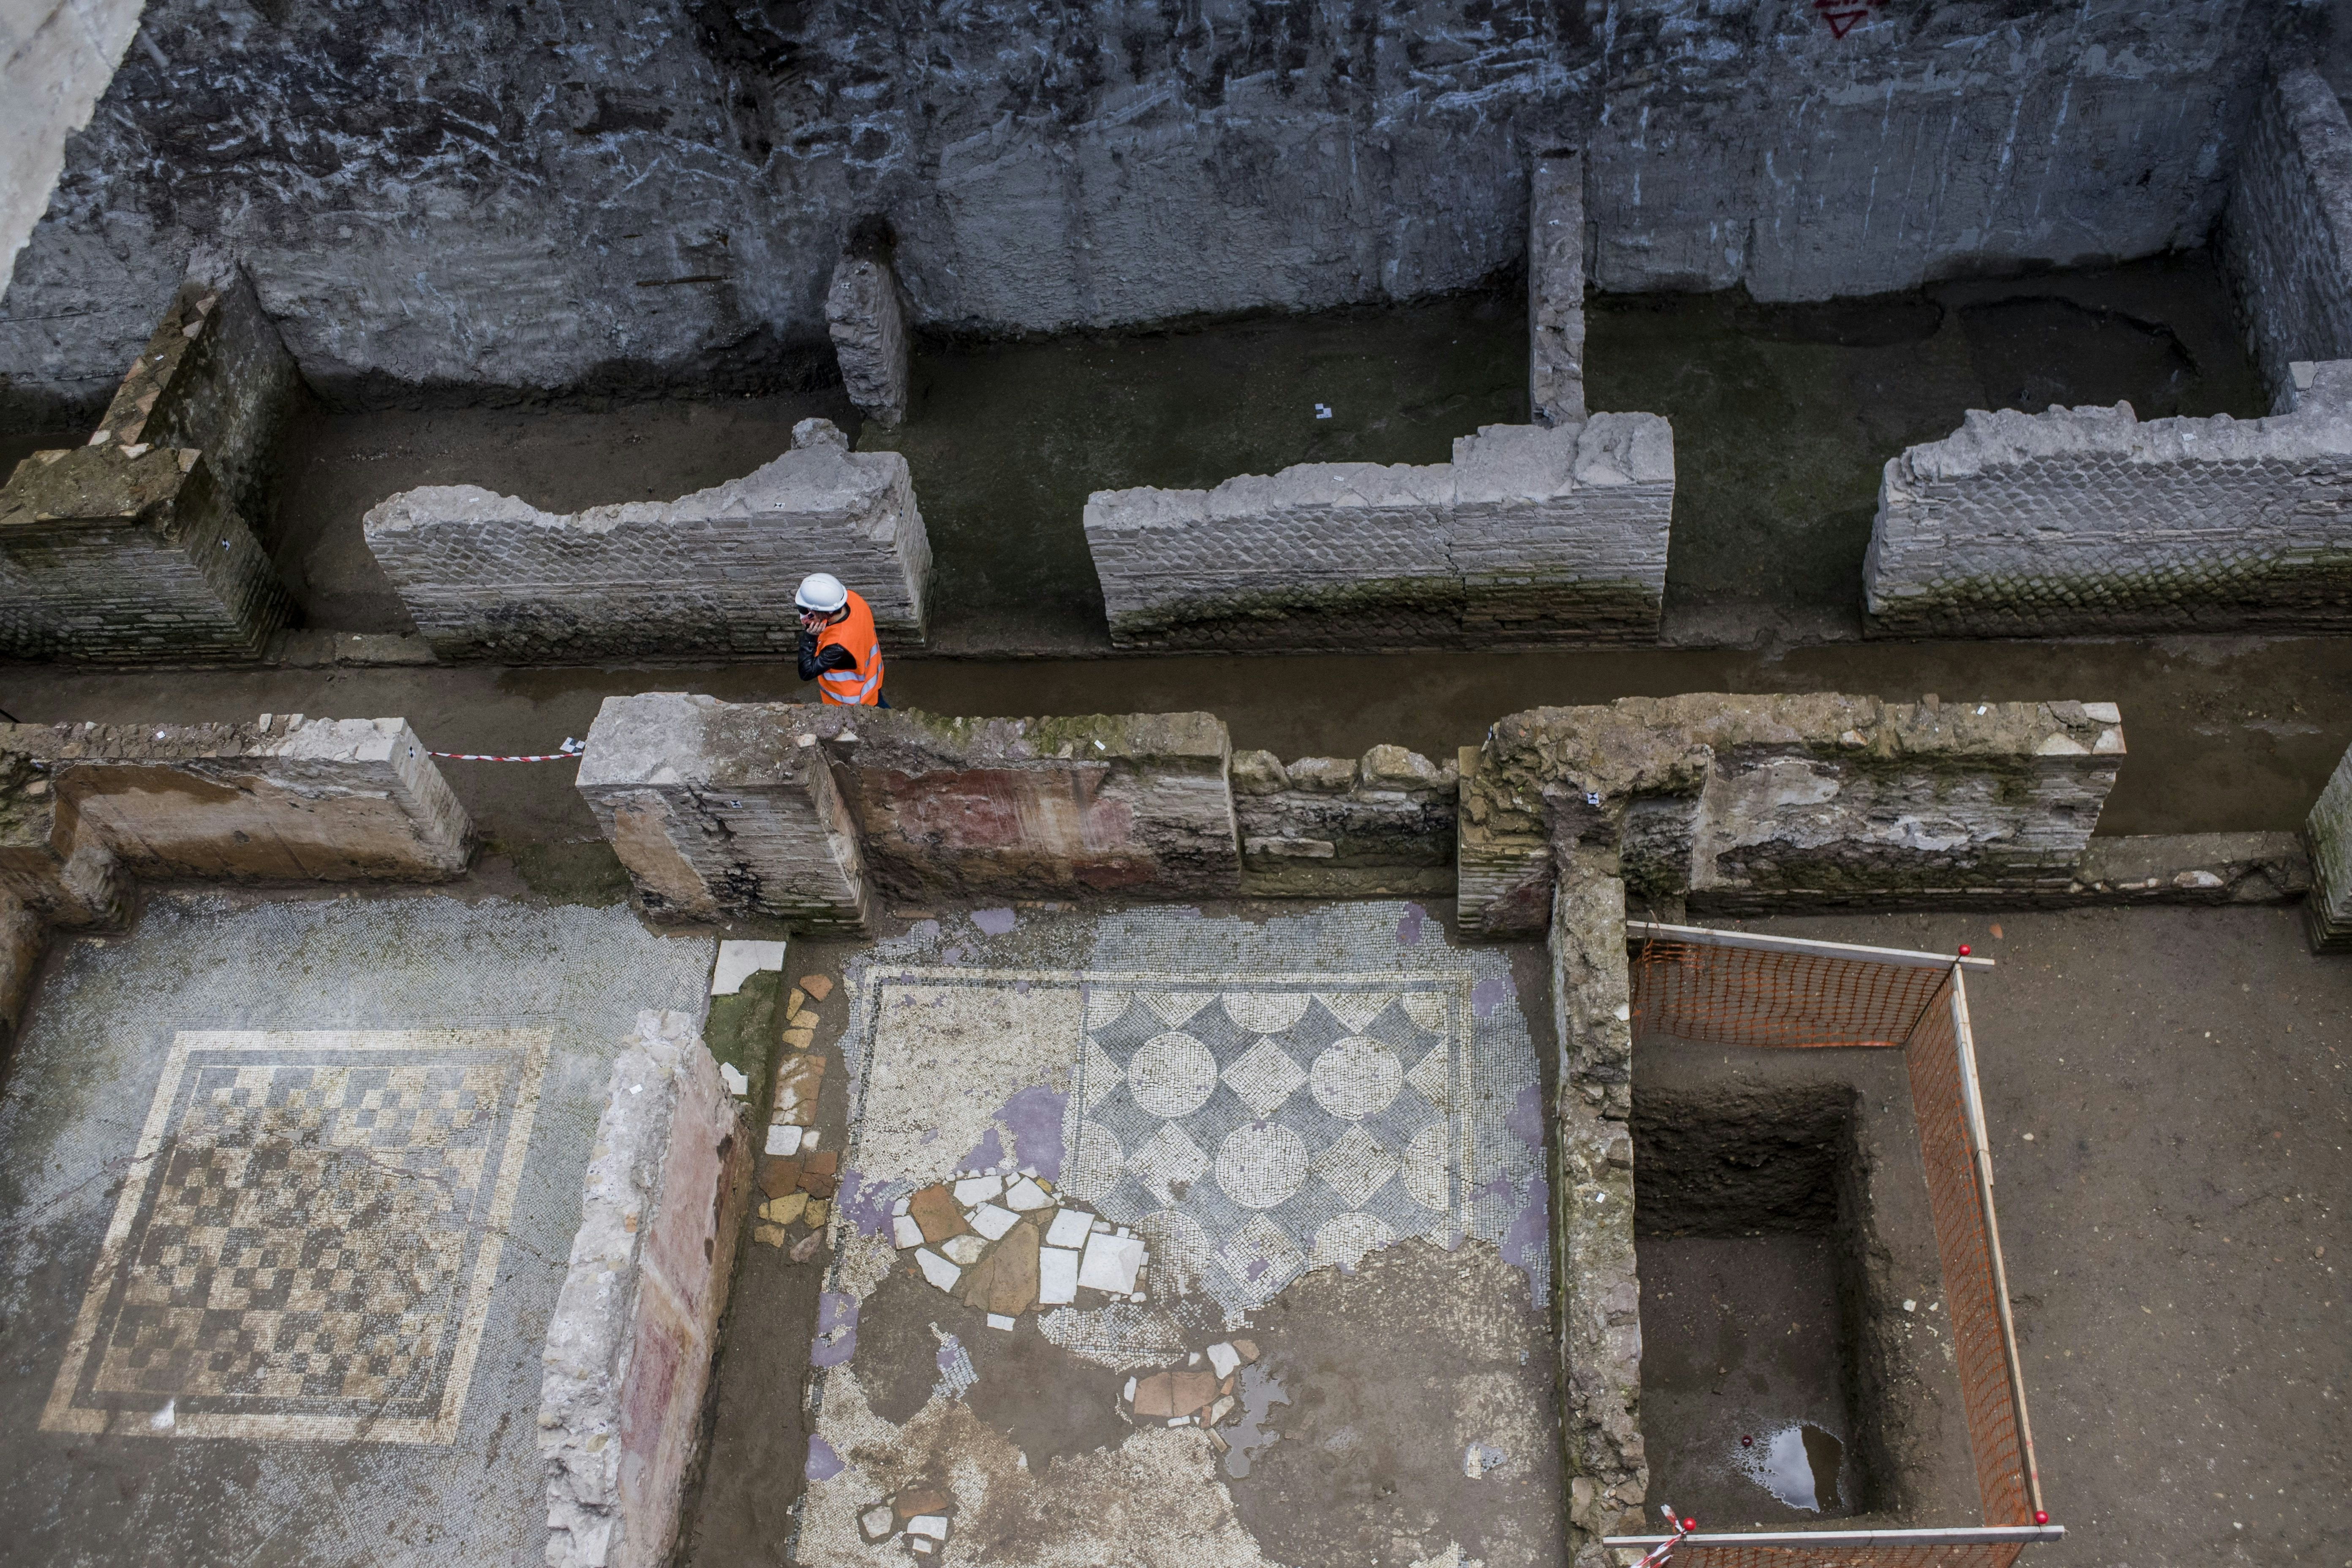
(1665, 1549)
(570, 752)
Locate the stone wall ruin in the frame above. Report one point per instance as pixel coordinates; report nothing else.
(1743, 804)
(489, 576)
(148, 543)
(630, 1344)
(1530, 536)
(2286, 238)
(2087, 520)
(1341, 827)
(86, 808)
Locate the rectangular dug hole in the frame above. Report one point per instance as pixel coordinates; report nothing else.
(1778, 1215)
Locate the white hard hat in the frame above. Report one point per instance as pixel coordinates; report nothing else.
(822, 592)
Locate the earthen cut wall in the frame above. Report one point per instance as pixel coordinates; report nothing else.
(1529, 536)
(2088, 520)
(489, 576)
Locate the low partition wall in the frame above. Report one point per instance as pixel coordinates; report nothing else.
(1745, 805)
(808, 813)
(490, 576)
(2328, 832)
(86, 807)
(1337, 827)
(1529, 536)
(629, 1347)
(2088, 520)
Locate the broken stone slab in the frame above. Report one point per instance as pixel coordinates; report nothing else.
(976, 1189)
(867, 317)
(1057, 1276)
(1192, 1392)
(1556, 288)
(1224, 1359)
(877, 1524)
(1155, 1396)
(905, 1232)
(933, 1208)
(817, 985)
(779, 1176)
(1111, 1263)
(786, 1209)
(963, 1250)
(991, 1221)
(937, 1269)
(783, 1139)
(1025, 1196)
(1070, 1227)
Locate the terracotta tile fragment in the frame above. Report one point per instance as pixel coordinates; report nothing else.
(1195, 1390)
(824, 1165)
(920, 1499)
(800, 1039)
(1012, 1289)
(934, 1209)
(778, 1177)
(792, 1003)
(1155, 1396)
(1248, 1349)
(817, 985)
(768, 1235)
(818, 1186)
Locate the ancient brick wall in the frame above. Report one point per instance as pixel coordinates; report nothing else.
(722, 809)
(1743, 804)
(802, 812)
(629, 1347)
(147, 543)
(1529, 536)
(1345, 827)
(2088, 520)
(2328, 833)
(2286, 237)
(489, 576)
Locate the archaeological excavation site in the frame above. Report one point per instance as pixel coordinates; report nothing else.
(1516, 784)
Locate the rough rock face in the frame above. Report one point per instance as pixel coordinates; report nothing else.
(1556, 289)
(1737, 803)
(601, 194)
(2085, 520)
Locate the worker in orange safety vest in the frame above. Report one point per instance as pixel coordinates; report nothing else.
(838, 648)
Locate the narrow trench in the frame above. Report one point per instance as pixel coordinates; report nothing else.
(1749, 1235)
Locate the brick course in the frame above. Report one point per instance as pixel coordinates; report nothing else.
(489, 576)
(1529, 536)
(2089, 520)
(2286, 235)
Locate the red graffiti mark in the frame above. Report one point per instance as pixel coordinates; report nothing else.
(1843, 14)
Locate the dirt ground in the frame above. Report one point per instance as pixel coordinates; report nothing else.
(2166, 1094)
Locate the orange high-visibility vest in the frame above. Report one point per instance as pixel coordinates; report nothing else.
(861, 687)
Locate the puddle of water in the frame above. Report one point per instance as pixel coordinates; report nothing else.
(1799, 1465)
(1249, 1436)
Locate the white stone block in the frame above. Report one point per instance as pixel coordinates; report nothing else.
(1111, 1263)
(1057, 1276)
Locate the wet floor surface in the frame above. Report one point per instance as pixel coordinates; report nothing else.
(1744, 1379)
